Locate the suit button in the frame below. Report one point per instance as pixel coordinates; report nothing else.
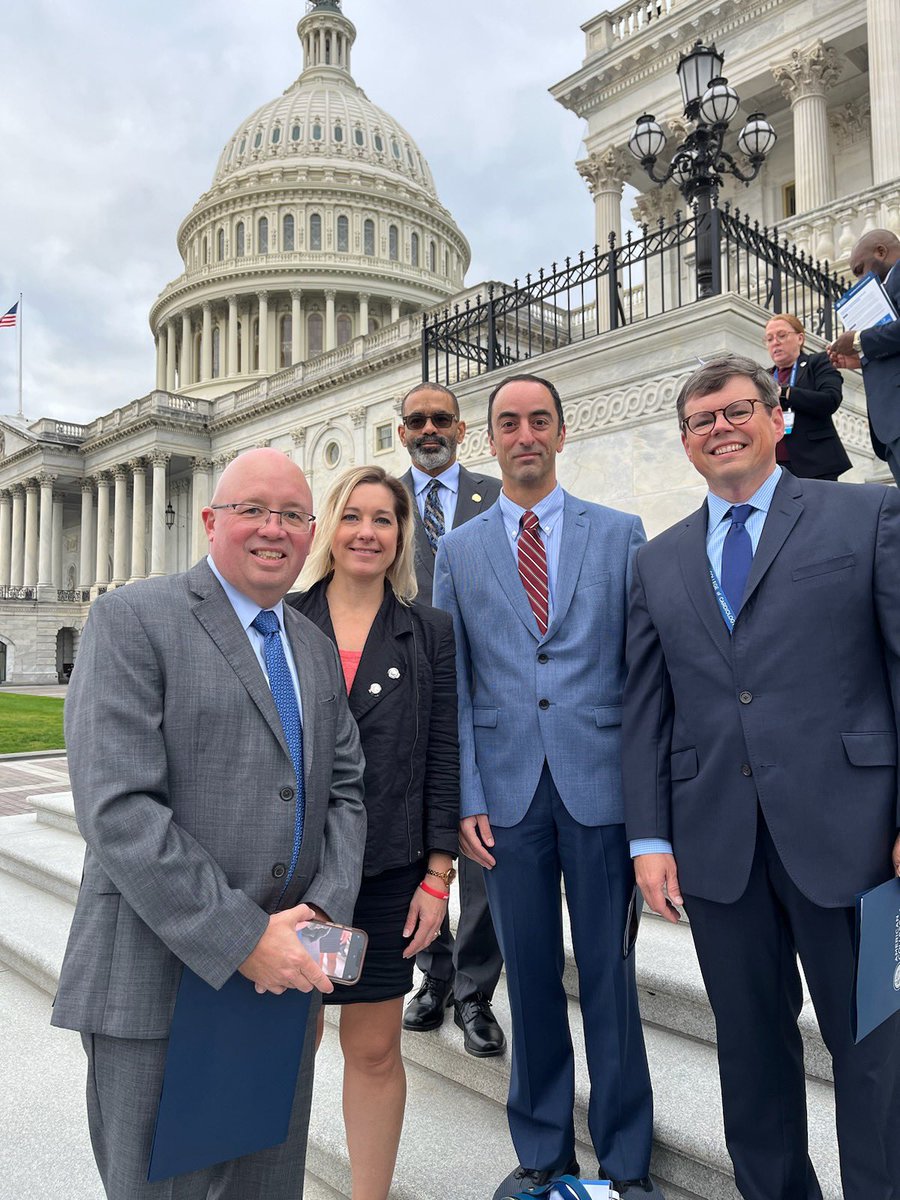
(543, 703)
(745, 697)
(746, 769)
(286, 793)
(542, 658)
(278, 871)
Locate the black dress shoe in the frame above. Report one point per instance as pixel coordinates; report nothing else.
(483, 1037)
(523, 1179)
(426, 1009)
(638, 1189)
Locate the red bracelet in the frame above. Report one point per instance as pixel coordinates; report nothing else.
(432, 892)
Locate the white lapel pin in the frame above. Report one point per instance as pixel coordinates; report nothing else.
(476, 496)
(393, 673)
(375, 689)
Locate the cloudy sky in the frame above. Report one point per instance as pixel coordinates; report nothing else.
(115, 112)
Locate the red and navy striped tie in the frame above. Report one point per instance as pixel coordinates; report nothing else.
(533, 569)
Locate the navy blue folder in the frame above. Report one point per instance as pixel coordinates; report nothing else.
(231, 1071)
(876, 993)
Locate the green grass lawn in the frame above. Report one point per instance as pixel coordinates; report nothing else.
(30, 723)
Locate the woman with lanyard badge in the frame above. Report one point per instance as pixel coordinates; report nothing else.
(811, 391)
(400, 671)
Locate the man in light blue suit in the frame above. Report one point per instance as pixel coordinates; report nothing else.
(537, 588)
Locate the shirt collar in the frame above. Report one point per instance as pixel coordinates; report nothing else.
(245, 608)
(761, 499)
(449, 478)
(548, 511)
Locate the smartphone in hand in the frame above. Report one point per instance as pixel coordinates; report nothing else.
(338, 949)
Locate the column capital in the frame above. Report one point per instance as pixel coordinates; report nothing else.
(263, 295)
(330, 293)
(101, 478)
(364, 297)
(358, 417)
(298, 436)
(808, 72)
(32, 486)
(159, 458)
(17, 489)
(5, 495)
(395, 300)
(46, 478)
(202, 464)
(120, 471)
(87, 486)
(137, 466)
(605, 171)
(296, 293)
(233, 299)
(207, 307)
(221, 461)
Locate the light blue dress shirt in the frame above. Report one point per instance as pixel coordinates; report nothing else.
(716, 529)
(245, 610)
(549, 513)
(448, 492)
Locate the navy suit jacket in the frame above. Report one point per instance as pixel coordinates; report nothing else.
(796, 712)
(524, 697)
(815, 395)
(881, 372)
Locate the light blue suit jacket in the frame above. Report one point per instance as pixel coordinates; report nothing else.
(524, 698)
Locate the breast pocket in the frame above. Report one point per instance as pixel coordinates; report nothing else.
(827, 566)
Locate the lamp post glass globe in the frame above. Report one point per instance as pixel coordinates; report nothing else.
(648, 138)
(757, 137)
(720, 102)
(695, 72)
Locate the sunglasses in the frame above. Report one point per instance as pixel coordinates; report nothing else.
(440, 420)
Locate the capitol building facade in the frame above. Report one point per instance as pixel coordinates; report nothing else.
(321, 247)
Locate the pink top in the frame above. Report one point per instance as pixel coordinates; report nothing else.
(350, 663)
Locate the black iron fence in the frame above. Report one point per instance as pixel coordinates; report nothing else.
(643, 276)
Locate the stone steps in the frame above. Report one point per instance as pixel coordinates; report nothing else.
(455, 1140)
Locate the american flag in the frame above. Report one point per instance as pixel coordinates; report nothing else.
(8, 320)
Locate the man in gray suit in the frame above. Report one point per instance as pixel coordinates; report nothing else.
(215, 818)
(446, 495)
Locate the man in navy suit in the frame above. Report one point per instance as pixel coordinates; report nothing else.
(537, 588)
(877, 350)
(760, 771)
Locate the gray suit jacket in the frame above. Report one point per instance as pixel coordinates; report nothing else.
(486, 488)
(184, 792)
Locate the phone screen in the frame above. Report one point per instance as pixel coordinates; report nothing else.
(338, 949)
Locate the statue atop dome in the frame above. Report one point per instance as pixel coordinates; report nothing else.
(313, 5)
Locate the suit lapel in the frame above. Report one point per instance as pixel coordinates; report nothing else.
(424, 552)
(383, 664)
(695, 573)
(500, 555)
(783, 515)
(575, 531)
(467, 506)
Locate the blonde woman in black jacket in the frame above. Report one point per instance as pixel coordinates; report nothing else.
(398, 659)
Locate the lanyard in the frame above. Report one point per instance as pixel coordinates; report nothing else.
(724, 606)
(793, 373)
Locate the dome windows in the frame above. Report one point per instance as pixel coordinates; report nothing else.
(315, 333)
(220, 245)
(276, 135)
(257, 141)
(317, 131)
(339, 133)
(395, 149)
(432, 257)
(285, 340)
(287, 232)
(379, 143)
(343, 328)
(414, 249)
(409, 159)
(204, 251)
(358, 136)
(262, 235)
(296, 132)
(369, 238)
(393, 243)
(315, 232)
(239, 240)
(242, 147)
(343, 234)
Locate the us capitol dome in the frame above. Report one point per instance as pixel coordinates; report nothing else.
(322, 224)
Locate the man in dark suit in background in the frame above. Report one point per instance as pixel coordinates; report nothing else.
(877, 350)
(760, 755)
(446, 495)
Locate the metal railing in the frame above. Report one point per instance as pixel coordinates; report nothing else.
(643, 276)
(9, 592)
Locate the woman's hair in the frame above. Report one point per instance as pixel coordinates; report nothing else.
(795, 323)
(401, 573)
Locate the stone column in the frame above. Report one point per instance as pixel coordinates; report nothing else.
(395, 310)
(5, 538)
(101, 571)
(56, 575)
(187, 343)
(17, 541)
(120, 527)
(158, 513)
(201, 494)
(298, 436)
(161, 359)
(206, 343)
(245, 322)
(330, 337)
(263, 362)
(85, 557)
(296, 318)
(45, 536)
(606, 173)
(31, 533)
(358, 417)
(138, 518)
(363, 315)
(883, 23)
(804, 79)
(171, 353)
(232, 335)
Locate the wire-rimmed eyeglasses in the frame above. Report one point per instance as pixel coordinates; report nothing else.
(293, 518)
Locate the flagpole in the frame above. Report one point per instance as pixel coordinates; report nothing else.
(19, 323)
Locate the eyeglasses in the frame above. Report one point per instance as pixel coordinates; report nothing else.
(440, 420)
(738, 412)
(258, 514)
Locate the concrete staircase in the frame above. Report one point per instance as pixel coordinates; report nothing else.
(455, 1142)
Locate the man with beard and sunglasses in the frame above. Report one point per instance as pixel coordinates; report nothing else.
(465, 970)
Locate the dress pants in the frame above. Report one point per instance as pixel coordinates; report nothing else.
(748, 955)
(526, 902)
(471, 961)
(123, 1086)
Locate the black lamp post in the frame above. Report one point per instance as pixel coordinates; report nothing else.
(170, 515)
(699, 163)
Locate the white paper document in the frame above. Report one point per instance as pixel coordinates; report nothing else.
(866, 304)
(596, 1191)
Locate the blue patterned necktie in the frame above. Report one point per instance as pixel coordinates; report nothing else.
(433, 519)
(282, 685)
(737, 557)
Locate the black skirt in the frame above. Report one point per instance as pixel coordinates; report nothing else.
(381, 909)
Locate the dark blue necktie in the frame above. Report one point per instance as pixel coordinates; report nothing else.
(285, 698)
(737, 557)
